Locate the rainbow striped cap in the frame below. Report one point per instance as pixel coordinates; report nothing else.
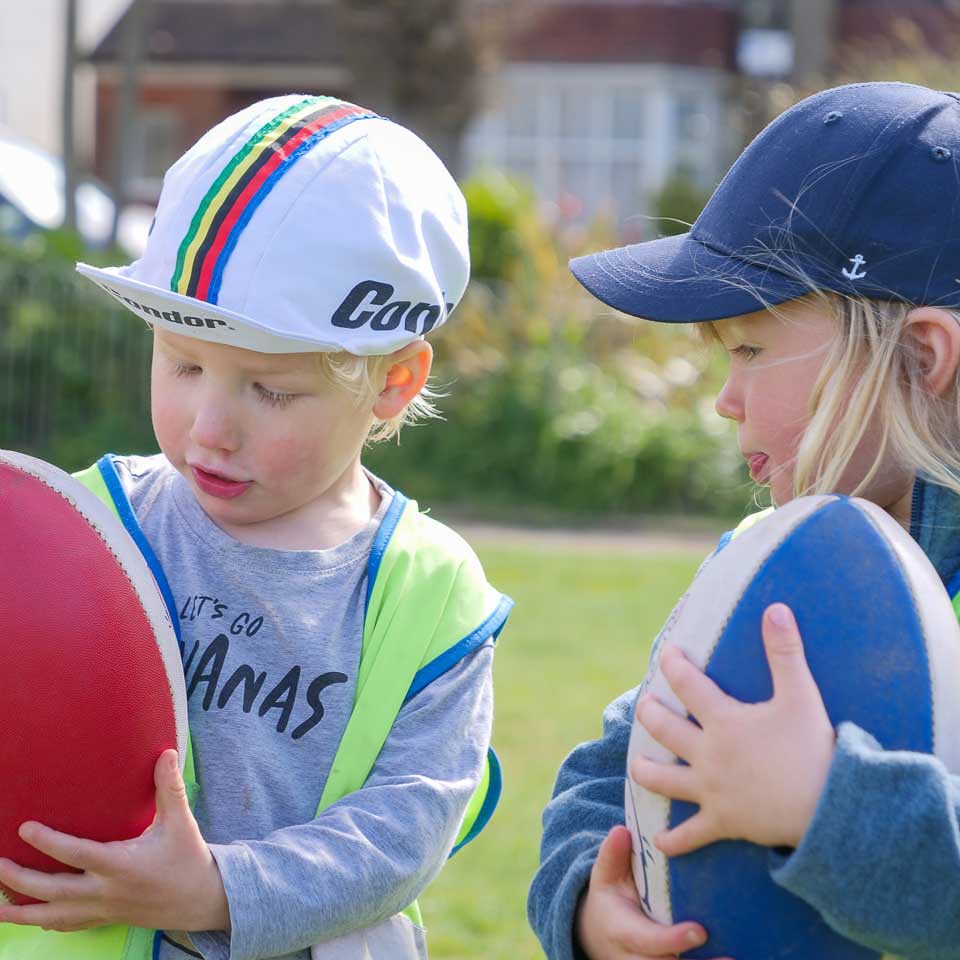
(301, 224)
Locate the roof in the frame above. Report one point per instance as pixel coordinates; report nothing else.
(689, 32)
(228, 31)
(698, 34)
(695, 32)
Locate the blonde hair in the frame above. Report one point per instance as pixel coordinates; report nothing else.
(365, 378)
(874, 374)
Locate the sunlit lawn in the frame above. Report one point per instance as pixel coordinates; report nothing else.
(579, 635)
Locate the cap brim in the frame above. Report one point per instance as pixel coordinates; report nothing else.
(195, 318)
(681, 280)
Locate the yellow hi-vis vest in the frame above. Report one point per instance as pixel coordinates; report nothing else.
(428, 605)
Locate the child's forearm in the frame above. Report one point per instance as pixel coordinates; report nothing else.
(881, 859)
(212, 908)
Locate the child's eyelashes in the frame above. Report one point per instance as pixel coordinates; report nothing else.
(745, 351)
(272, 397)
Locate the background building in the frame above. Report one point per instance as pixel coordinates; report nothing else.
(596, 103)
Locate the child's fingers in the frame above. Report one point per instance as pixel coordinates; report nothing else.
(43, 886)
(612, 865)
(784, 648)
(690, 835)
(73, 851)
(50, 916)
(649, 939)
(667, 779)
(674, 732)
(696, 691)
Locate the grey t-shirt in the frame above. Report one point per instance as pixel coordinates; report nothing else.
(271, 646)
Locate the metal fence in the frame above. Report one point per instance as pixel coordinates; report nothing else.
(74, 367)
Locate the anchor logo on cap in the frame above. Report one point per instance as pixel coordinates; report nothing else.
(853, 274)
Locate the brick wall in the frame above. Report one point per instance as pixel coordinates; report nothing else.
(690, 34)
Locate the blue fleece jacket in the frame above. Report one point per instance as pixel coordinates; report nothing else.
(899, 812)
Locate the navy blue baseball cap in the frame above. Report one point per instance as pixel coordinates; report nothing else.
(856, 188)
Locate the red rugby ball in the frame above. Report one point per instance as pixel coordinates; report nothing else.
(93, 682)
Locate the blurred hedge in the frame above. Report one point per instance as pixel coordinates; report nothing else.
(553, 402)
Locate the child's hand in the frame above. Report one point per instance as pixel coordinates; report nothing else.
(755, 770)
(164, 879)
(610, 924)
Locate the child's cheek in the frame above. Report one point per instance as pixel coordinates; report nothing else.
(169, 426)
(289, 457)
(285, 457)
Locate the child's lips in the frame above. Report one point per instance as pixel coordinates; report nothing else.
(216, 485)
(757, 462)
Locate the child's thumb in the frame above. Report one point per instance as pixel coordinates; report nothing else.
(612, 865)
(171, 790)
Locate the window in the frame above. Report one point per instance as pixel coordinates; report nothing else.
(692, 137)
(597, 140)
(155, 144)
(574, 136)
(523, 113)
(575, 118)
(689, 119)
(628, 119)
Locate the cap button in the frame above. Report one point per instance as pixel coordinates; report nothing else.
(940, 153)
(832, 117)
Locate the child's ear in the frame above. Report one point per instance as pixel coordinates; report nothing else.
(406, 376)
(936, 335)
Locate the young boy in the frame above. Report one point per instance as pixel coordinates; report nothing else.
(337, 643)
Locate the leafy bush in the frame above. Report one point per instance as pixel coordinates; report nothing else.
(677, 204)
(554, 432)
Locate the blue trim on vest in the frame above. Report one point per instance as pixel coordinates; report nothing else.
(162, 938)
(490, 627)
(953, 587)
(490, 801)
(382, 540)
(115, 488)
(724, 540)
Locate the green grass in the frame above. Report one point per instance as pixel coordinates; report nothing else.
(579, 636)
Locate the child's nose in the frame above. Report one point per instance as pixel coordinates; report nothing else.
(215, 427)
(729, 402)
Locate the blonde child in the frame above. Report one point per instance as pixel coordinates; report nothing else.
(825, 265)
(337, 643)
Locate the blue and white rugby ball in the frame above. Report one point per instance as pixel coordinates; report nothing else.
(883, 643)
